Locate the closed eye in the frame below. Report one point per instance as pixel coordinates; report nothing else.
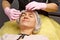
(23, 14)
(31, 16)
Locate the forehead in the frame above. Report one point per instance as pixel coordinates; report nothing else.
(28, 12)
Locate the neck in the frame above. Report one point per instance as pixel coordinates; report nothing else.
(25, 30)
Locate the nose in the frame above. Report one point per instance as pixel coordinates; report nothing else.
(26, 17)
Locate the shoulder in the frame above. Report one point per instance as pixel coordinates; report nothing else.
(10, 37)
(36, 37)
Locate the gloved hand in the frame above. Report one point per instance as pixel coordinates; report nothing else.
(12, 14)
(35, 6)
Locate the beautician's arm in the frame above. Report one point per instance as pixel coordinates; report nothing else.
(5, 4)
(10, 12)
(51, 7)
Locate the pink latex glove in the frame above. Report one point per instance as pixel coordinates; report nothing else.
(12, 14)
(35, 5)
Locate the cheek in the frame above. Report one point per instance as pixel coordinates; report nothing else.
(20, 21)
(33, 22)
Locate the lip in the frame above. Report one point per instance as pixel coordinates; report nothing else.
(25, 20)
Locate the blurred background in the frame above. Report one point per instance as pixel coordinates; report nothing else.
(4, 18)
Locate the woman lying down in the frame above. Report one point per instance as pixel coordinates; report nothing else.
(29, 25)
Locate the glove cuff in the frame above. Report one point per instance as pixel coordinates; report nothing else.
(6, 10)
(44, 6)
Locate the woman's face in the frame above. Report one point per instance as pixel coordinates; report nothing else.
(28, 19)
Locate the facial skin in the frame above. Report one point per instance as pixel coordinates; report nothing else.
(28, 19)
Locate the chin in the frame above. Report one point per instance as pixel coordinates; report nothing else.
(26, 25)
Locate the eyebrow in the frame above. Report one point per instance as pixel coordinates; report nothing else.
(23, 12)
